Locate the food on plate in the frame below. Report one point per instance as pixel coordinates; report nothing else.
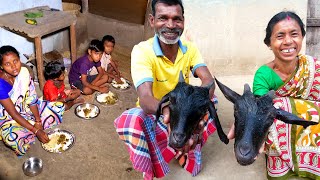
(108, 98)
(59, 142)
(86, 112)
(122, 86)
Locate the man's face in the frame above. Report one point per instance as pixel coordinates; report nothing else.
(168, 22)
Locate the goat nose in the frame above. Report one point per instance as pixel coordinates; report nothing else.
(244, 149)
(179, 137)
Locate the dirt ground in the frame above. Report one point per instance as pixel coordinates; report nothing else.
(99, 154)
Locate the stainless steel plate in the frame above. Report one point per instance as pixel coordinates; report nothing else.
(87, 111)
(109, 98)
(65, 142)
(117, 86)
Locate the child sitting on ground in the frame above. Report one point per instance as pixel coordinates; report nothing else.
(54, 88)
(108, 65)
(79, 76)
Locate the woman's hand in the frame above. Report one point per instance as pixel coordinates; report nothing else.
(231, 132)
(42, 136)
(38, 125)
(231, 135)
(38, 130)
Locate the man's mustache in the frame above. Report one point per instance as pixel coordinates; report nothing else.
(174, 30)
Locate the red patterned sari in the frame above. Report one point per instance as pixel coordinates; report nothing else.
(291, 149)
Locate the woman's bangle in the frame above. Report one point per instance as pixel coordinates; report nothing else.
(34, 130)
(64, 100)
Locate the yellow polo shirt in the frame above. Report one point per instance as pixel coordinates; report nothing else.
(148, 64)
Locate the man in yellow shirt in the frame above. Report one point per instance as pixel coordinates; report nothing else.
(155, 67)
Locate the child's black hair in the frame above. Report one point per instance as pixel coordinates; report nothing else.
(4, 50)
(96, 45)
(53, 70)
(108, 38)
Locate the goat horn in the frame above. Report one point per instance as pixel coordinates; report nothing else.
(271, 94)
(227, 92)
(246, 88)
(181, 79)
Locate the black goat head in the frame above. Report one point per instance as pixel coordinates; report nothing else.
(253, 117)
(188, 105)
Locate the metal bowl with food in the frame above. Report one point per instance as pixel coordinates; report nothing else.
(59, 141)
(32, 166)
(87, 111)
(108, 98)
(121, 86)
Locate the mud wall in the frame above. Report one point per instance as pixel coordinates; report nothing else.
(122, 10)
(230, 33)
(122, 19)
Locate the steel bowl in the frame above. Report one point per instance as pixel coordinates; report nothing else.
(32, 166)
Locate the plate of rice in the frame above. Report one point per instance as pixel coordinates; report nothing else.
(59, 141)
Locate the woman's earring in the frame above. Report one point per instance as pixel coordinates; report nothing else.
(270, 48)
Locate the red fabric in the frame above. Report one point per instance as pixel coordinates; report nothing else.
(52, 93)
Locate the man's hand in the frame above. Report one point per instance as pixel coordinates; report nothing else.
(166, 115)
(195, 138)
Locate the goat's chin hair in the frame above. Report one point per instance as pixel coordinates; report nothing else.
(246, 163)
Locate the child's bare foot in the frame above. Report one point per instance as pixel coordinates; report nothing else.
(78, 100)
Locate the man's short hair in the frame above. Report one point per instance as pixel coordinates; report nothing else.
(168, 2)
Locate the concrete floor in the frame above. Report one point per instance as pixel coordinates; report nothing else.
(99, 154)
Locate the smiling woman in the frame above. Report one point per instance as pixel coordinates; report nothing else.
(291, 150)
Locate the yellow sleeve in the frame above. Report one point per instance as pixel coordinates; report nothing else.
(195, 57)
(141, 66)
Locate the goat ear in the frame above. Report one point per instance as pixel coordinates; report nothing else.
(292, 119)
(227, 92)
(246, 88)
(213, 113)
(158, 113)
(181, 78)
